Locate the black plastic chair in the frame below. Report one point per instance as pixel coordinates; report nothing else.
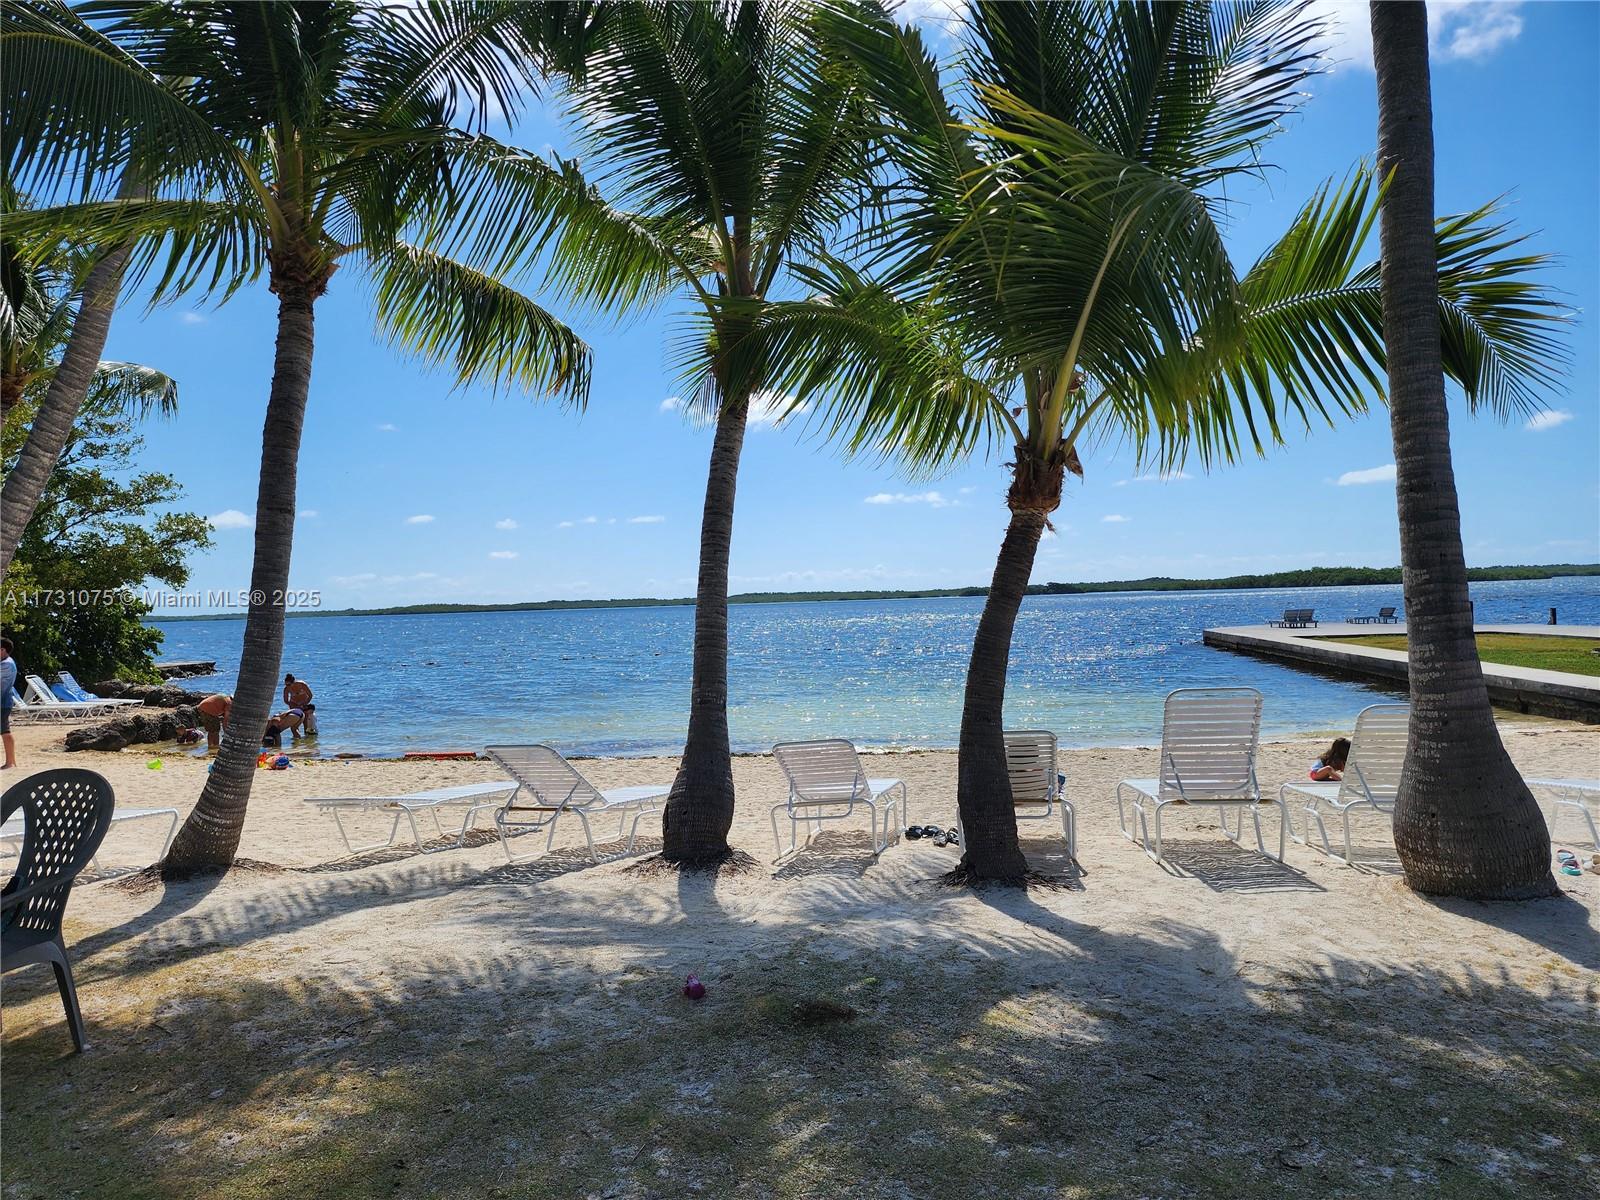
(66, 814)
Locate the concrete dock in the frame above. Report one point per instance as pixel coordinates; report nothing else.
(1525, 689)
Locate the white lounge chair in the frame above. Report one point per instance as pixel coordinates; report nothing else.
(826, 783)
(45, 704)
(1580, 794)
(548, 785)
(1037, 788)
(1371, 774)
(1208, 756)
(410, 804)
(71, 691)
(13, 829)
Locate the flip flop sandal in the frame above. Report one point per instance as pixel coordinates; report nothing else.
(913, 832)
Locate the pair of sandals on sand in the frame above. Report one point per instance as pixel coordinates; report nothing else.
(940, 837)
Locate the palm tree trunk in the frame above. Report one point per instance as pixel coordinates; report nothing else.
(991, 851)
(700, 805)
(52, 424)
(1464, 822)
(210, 837)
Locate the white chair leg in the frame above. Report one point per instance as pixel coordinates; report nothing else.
(1283, 804)
(587, 835)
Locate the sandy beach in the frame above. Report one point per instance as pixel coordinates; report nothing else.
(448, 1024)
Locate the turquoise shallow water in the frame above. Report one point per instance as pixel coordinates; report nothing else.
(881, 672)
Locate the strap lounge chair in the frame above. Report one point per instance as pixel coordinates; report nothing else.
(45, 704)
(1208, 756)
(1582, 795)
(548, 786)
(70, 690)
(1371, 776)
(826, 783)
(1037, 788)
(1386, 616)
(1296, 618)
(15, 828)
(407, 806)
(67, 812)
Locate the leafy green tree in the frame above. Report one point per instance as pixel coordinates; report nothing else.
(74, 594)
(1465, 823)
(1055, 240)
(300, 138)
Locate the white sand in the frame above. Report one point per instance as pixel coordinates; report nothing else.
(460, 946)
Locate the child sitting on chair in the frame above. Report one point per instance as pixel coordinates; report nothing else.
(1330, 767)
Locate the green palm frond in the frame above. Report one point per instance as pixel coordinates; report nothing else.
(138, 390)
(486, 331)
(179, 245)
(889, 378)
(80, 108)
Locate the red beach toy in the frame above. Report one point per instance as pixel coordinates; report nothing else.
(694, 989)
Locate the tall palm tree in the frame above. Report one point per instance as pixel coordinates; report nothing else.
(1465, 823)
(724, 151)
(303, 137)
(74, 373)
(1057, 223)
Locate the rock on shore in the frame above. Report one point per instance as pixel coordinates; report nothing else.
(132, 729)
(155, 695)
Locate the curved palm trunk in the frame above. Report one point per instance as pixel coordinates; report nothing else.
(52, 424)
(700, 805)
(991, 851)
(210, 837)
(1464, 822)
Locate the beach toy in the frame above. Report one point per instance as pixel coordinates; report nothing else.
(154, 764)
(694, 989)
(280, 763)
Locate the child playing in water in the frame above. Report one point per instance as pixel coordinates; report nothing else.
(1330, 767)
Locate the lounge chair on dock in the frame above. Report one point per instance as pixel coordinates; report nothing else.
(1371, 775)
(1208, 757)
(1296, 618)
(1386, 616)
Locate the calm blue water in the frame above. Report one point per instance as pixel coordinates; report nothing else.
(881, 672)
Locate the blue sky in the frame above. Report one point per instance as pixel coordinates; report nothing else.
(413, 491)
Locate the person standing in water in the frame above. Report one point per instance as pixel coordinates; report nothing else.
(213, 713)
(297, 696)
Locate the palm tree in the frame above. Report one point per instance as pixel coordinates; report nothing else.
(39, 329)
(1058, 229)
(724, 151)
(1465, 823)
(75, 372)
(302, 137)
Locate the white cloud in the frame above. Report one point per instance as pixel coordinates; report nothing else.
(502, 554)
(1115, 519)
(1158, 477)
(1384, 474)
(1548, 419)
(192, 318)
(649, 520)
(420, 519)
(967, 491)
(386, 427)
(580, 521)
(767, 409)
(307, 513)
(1457, 29)
(231, 518)
(931, 499)
(505, 523)
(774, 408)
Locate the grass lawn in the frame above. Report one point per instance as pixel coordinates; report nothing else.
(1574, 654)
